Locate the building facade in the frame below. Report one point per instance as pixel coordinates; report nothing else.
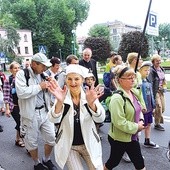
(24, 48)
(117, 28)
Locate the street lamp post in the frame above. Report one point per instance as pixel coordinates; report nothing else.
(163, 46)
(60, 55)
(72, 47)
(152, 46)
(74, 42)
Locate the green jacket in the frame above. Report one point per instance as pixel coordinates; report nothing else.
(122, 120)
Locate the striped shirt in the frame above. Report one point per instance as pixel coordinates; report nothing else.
(7, 94)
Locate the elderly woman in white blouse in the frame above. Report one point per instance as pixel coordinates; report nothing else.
(77, 111)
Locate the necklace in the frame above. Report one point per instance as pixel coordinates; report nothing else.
(76, 113)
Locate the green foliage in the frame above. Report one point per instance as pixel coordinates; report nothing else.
(100, 48)
(131, 42)
(51, 22)
(99, 30)
(8, 44)
(80, 8)
(161, 41)
(168, 85)
(166, 63)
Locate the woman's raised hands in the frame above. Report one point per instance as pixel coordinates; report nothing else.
(57, 91)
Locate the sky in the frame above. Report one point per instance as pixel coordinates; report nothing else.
(132, 12)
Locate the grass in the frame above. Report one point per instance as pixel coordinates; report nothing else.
(168, 85)
(166, 63)
(100, 81)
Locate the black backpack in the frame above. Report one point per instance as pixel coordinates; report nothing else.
(27, 76)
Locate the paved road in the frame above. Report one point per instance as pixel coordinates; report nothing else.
(15, 158)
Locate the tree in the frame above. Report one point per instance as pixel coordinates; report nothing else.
(8, 44)
(100, 48)
(99, 30)
(131, 42)
(162, 42)
(51, 21)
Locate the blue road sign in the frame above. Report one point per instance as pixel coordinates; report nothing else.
(2, 55)
(152, 25)
(42, 49)
(152, 20)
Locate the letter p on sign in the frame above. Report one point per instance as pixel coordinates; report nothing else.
(152, 20)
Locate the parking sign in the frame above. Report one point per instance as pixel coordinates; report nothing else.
(152, 26)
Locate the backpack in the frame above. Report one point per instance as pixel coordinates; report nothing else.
(56, 76)
(124, 98)
(27, 76)
(107, 79)
(108, 116)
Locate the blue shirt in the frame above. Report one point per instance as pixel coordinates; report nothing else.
(148, 95)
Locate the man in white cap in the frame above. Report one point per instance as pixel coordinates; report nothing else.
(34, 104)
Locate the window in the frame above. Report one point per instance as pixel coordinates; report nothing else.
(26, 50)
(19, 51)
(114, 31)
(25, 38)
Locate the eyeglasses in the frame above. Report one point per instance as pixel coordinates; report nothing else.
(129, 78)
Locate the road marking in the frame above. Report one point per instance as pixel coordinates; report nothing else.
(166, 118)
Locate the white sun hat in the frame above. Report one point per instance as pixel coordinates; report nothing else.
(78, 69)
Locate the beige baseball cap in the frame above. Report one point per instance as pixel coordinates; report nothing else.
(41, 58)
